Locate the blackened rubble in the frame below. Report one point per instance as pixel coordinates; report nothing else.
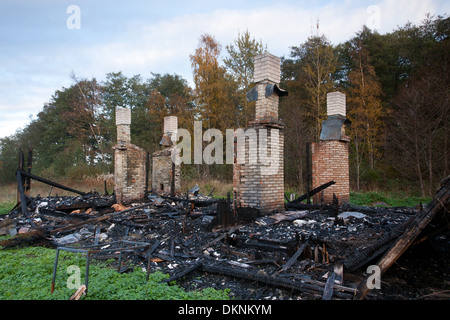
(287, 255)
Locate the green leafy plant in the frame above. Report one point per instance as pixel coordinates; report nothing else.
(26, 274)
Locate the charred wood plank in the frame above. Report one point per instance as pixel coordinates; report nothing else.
(230, 232)
(264, 246)
(313, 192)
(184, 272)
(25, 238)
(21, 190)
(328, 290)
(292, 260)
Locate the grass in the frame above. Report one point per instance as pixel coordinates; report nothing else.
(6, 207)
(26, 274)
(206, 186)
(390, 199)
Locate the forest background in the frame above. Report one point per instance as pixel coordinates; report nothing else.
(396, 84)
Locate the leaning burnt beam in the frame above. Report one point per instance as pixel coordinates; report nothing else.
(51, 183)
(312, 192)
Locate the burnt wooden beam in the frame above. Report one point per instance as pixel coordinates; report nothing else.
(51, 183)
(292, 260)
(312, 192)
(328, 290)
(184, 272)
(29, 165)
(310, 288)
(172, 180)
(21, 191)
(308, 172)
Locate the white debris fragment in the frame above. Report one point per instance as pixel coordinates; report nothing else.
(354, 214)
(300, 222)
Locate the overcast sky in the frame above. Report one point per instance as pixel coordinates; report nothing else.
(43, 42)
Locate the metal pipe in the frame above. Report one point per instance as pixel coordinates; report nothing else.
(86, 275)
(54, 271)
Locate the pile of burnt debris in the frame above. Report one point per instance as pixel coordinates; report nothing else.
(307, 252)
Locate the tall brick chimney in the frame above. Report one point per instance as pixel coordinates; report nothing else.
(129, 162)
(330, 155)
(259, 181)
(166, 175)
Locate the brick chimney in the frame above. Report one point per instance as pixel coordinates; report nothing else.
(166, 175)
(259, 182)
(129, 162)
(330, 155)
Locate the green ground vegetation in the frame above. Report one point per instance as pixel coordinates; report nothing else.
(26, 274)
(387, 199)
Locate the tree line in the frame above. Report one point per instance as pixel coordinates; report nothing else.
(396, 85)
